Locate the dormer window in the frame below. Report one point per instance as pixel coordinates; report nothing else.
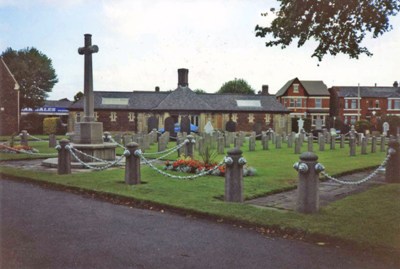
(295, 88)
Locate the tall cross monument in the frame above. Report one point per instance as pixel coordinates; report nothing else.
(88, 50)
(88, 131)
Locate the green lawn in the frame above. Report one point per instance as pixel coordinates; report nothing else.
(371, 218)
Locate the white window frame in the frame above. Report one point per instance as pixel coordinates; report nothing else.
(296, 88)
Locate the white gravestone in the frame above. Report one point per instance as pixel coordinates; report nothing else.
(385, 127)
(318, 124)
(208, 128)
(300, 124)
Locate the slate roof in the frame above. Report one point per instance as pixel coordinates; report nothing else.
(312, 87)
(183, 99)
(58, 103)
(372, 92)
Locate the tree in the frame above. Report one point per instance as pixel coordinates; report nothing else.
(236, 86)
(34, 73)
(78, 96)
(199, 91)
(338, 26)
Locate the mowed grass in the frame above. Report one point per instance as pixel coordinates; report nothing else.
(370, 218)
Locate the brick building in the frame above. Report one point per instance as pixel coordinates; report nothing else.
(306, 98)
(9, 101)
(354, 103)
(136, 111)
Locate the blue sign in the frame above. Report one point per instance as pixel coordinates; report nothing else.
(52, 110)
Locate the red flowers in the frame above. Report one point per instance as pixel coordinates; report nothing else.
(189, 165)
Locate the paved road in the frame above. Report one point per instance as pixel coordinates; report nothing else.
(42, 228)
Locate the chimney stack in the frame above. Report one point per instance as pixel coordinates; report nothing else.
(183, 80)
(395, 84)
(157, 89)
(264, 90)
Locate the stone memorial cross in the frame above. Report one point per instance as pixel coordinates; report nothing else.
(87, 50)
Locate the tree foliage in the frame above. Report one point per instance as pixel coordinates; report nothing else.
(236, 86)
(78, 96)
(34, 73)
(338, 26)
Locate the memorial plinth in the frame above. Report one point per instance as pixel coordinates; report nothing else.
(88, 134)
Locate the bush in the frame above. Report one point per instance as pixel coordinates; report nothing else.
(362, 125)
(394, 123)
(50, 125)
(33, 123)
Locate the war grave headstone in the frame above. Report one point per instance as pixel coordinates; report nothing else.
(318, 124)
(169, 126)
(257, 128)
(300, 125)
(230, 126)
(152, 123)
(185, 124)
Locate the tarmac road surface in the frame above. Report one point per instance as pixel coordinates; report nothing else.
(43, 228)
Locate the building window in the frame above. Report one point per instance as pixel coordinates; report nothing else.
(396, 104)
(298, 102)
(251, 117)
(376, 103)
(295, 88)
(78, 117)
(318, 117)
(353, 104)
(194, 120)
(113, 116)
(96, 116)
(131, 116)
(318, 103)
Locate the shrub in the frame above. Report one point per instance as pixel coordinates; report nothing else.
(33, 123)
(50, 125)
(362, 125)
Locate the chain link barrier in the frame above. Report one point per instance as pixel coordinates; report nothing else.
(365, 179)
(37, 138)
(139, 154)
(97, 168)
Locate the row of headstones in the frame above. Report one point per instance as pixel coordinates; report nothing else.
(24, 135)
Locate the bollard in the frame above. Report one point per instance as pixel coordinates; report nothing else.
(24, 137)
(132, 164)
(308, 184)
(234, 176)
(64, 158)
(52, 140)
(189, 146)
(392, 173)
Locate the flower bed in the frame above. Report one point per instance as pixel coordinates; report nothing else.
(16, 149)
(188, 165)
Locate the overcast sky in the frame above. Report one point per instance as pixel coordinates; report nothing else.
(143, 43)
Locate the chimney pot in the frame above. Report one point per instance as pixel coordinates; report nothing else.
(183, 75)
(265, 90)
(395, 84)
(157, 89)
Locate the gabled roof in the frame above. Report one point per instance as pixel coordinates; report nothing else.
(183, 98)
(312, 87)
(372, 92)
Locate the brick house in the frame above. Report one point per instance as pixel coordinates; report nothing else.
(306, 98)
(9, 101)
(132, 111)
(354, 103)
